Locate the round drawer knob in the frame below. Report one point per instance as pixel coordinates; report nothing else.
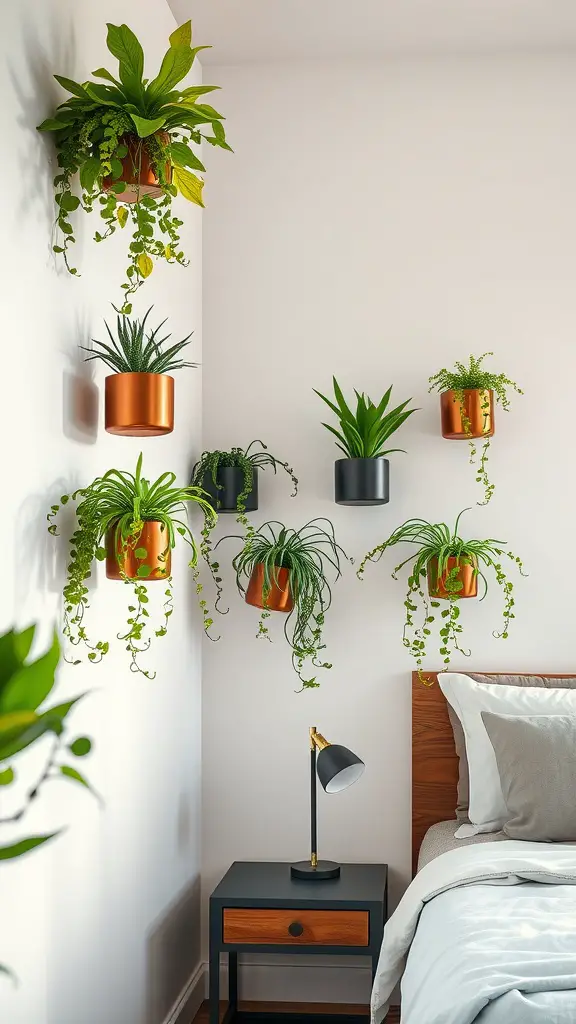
(295, 929)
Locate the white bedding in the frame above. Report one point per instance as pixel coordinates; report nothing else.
(485, 935)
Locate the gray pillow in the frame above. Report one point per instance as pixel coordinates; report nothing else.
(536, 758)
(550, 682)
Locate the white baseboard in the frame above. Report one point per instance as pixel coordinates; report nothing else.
(189, 1001)
(294, 981)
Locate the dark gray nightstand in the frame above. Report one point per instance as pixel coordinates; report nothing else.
(259, 908)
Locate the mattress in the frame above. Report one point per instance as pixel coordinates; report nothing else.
(440, 838)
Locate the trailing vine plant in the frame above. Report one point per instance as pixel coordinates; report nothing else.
(474, 377)
(115, 507)
(307, 554)
(437, 541)
(208, 467)
(131, 121)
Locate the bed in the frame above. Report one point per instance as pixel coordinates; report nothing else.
(486, 932)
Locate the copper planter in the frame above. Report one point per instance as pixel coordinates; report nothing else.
(137, 172)
(154, 539)
(279, 599)
(467, 576)
(477, 408)
(139, 404)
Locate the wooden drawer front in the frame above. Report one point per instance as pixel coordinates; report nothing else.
(300, 927)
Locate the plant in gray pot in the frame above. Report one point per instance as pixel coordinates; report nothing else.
(362, 478)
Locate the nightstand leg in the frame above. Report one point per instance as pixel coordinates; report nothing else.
(233, 980)
(214, 974)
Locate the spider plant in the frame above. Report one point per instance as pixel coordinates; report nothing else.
(122, 502)
(306, 554)
(137, 350)
(437, 541)
(206, 472)
(363, 434)
(475, 378)
(27, 715)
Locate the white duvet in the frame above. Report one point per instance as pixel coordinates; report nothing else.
(485, 934)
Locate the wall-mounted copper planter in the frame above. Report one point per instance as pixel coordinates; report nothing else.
(139, 404)
(137, 172)
(279, 598)
(154, 539)
(467, 576)
(477, 409)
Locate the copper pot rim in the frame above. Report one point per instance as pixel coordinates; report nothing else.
(137, 373)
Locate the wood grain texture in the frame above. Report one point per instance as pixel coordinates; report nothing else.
(434, 758)
(325, 927)
(330, 1009)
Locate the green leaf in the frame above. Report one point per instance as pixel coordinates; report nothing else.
(175, 66)
(32, 683)
(6, 777)
(183, 156)
(197, 90)
(103, 73)
(71, 773)
(189, 185)
(141, 553)
(145, 264)
(122, 215)
(145, 127)
(107, 95)
(124, 45)
(100, 554)
(23, 642)
(24, 846)
(69, 202)
(74, 87)
(81, 746)
(182, 36)
(144, 570)
(50, 124)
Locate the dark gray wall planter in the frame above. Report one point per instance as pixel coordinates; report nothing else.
(361, 481)
(231, 480)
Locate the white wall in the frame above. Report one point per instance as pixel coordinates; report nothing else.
(104, 924)
(377, 222)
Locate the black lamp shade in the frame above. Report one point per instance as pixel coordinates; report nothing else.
(338, 768)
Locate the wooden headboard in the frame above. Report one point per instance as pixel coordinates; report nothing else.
(434, 758)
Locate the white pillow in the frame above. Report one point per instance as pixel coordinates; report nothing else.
(487, 809)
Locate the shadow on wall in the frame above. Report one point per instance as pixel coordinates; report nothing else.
(173, 952)
(79, 392)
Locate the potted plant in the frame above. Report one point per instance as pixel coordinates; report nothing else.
(131, 524)
(450, 567)
(27, 715)
(467, 397)
(128, 138)
(230, 480)
(139, 395)
(286, 571)
(362, 477)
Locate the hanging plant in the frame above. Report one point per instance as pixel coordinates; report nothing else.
(130, 142)
(287, 571)
(27, 715)
(139, 396)
(230, 479)
(138, 523)
(451, 568)
(467, 396)
(361, 478)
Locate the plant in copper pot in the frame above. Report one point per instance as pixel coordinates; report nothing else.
(139, 396)
(132, 524)
(29, 716)
(361, 478)
(285, 570)
(467, 398)
(130, 140)
(230, 480)
(444, 568)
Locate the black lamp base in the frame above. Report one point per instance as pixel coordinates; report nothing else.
(324, 869)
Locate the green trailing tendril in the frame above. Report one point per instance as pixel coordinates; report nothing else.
(474, 378)
(117, 505)
(306, 553)
(437, 541)
(128, 120)
(208, 467)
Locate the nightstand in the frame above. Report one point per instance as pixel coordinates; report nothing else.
(259, 908)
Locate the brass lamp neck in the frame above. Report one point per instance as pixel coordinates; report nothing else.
(317, 739)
